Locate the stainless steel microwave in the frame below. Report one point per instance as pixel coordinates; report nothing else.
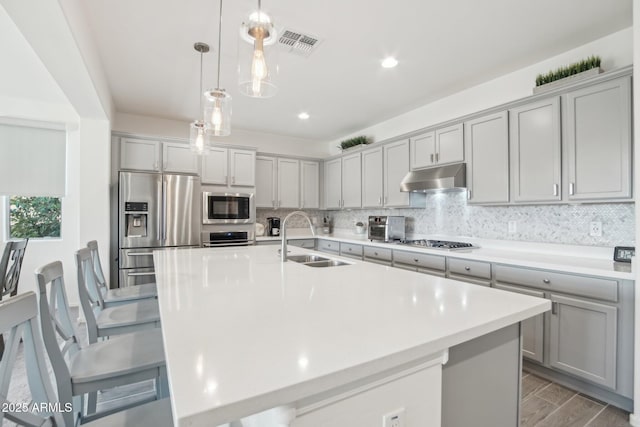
(228, 208)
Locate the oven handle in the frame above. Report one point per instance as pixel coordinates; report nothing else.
(221, 244)
(146, 273)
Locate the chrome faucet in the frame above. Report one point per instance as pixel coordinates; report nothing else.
(283, 232)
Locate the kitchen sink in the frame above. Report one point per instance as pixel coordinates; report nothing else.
(316, 261)
(327, 263)
(306, 258)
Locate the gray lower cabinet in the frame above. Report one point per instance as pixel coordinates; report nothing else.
(532, 329)
(422, 263)
(598, 141)
(378, 255)
(302, 243)
(476, 272)
(350, 250)
(487, 152)
(329, 246)
(582, 339)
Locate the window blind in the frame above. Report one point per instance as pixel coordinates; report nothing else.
(32, 161)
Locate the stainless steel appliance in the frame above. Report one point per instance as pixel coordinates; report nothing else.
(386, 228)
(228, 208)
(441, 178)
(273, 226)
(225, 235)
(438, 244)
(154, 211)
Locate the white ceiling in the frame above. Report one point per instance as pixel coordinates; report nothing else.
(442, 47)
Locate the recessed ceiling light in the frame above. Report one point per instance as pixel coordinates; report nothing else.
(389, 62)
(303, 116)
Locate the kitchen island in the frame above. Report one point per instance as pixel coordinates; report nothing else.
(341, 345)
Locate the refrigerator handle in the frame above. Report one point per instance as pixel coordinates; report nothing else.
(164, 211)
(159, 216)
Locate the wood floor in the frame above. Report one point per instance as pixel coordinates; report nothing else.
(546, 404)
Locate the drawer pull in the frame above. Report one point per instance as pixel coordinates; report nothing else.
(554, 307)
(375, 253)
(416, 260)
(547, 281)
(468, 268)
(349, 249)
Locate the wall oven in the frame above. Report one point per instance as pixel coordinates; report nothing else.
(228, 235)
(228, 208)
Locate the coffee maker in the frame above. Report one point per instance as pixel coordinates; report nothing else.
(273, 226)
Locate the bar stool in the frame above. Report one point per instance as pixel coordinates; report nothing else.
(121, 319)
(113, 297)
(10, 267)
(79, 372)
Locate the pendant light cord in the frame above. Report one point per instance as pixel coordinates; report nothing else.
(219, 42)
(201, 94)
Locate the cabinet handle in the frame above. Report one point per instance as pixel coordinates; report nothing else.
(273, 203)
(555, 189)
(546, 281)
(155, 165)
(571, 188)
(226, 179)
(375, 253)
(437, 157)
(379, 200)
(431, 157)
(164, 165)
(339, 202)
(349, 249)
(468, 194)
(384, 199)
(416, 260)
(233, 179)
(467, 268)
(554, 307)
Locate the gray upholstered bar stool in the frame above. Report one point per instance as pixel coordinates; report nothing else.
(121, 319)
(18, 317)
(113, 297)
(121, 360)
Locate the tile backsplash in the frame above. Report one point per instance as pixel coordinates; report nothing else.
(449, 213)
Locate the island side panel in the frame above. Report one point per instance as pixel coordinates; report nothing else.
(481, 381)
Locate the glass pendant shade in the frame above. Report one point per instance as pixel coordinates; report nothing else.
(199, 138)
(258, 56)
(217, 112)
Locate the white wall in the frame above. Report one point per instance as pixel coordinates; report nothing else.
(264, 142)
(616, 51)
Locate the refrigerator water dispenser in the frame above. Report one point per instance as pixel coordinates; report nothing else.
(136, 219)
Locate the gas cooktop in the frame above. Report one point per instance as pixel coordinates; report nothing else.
(438, 244)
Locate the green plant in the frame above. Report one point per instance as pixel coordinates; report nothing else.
(569, 70)
(35, 216)
(352, 142)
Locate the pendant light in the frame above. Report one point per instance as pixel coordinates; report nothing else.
(257, 55)
(199, 138)
(217, 111)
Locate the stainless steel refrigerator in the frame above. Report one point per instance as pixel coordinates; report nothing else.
(154, 211)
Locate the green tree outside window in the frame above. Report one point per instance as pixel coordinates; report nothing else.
(34, 217)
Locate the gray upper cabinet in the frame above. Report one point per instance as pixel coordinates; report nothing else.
(140, 154)
(266, 182)
(583, 339)
(333, 184)
(351, 181)
(439, 147)
(487, 151)
(309, 184)
(396, 166)
(598, 141)
(534, 139)
(372, 178)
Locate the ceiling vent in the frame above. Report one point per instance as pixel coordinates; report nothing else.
(298, 43)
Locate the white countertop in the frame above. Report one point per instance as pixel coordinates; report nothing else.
(244, 332)
(596, 261)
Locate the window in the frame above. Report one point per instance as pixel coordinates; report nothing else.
(34, 217)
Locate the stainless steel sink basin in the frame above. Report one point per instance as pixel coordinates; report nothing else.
(306, 258)
(327, 263)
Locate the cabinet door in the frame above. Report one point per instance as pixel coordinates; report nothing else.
(423, 150)
(372, 178)
(396, 166)
(288, 183)
(310, 184)
(534, 139)
(178, 157)
(214, 167)
(351, 181)
(242, 167)
(333, 184)
(266, 181)
(532, 328)
(140, 154)
(449, 144)
(487, 146)
(583, 339)
(599, 141)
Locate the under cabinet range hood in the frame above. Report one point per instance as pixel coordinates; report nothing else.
(441, 178)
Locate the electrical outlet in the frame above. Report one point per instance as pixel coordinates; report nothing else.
(513, 226)
(394, 419)
(595, 229)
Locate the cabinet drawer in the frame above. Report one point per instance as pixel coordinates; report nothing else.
(302, 243)
(470, 268)
(349, 249)
(328, 246)
(433, 262)
(590, 287)
(377, 253)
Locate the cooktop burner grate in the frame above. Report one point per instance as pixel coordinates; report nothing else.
(438, 244)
